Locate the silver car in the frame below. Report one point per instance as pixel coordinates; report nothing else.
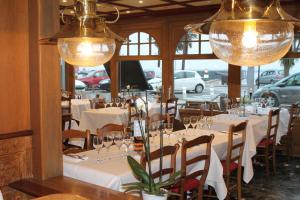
(270, 77)
(285, 91)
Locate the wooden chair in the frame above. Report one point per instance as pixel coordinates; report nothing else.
(213, 112)
(66, 115)
(267, 147)
(68, 134)
(191, 181)
(188, 112)
(99, 104)
(171, 107)
(234, 157)
(108, 128)
(167, 151)
(194, 104)
(286, 140)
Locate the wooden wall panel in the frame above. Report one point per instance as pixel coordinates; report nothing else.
(14, 69)
(15, 159)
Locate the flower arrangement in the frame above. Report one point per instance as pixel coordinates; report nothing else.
(146, 183)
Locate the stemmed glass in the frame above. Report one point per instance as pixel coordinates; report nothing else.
(194, 120)
(128, 140)
(168, 130)
(108, 141)
(209, 121)
(200, 122)
(98, 144)
(153, 132)
(186, 122)
(118, 140)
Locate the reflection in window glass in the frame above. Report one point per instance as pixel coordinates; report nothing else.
(87, 82)
(142, 73)
(278, 80)
(200, 80)
(193, 44)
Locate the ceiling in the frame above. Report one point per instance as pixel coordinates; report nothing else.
(129, 8)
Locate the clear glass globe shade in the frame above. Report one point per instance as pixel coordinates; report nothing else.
(84, 51)
(251, 43)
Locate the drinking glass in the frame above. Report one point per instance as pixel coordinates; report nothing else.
(98, 144)
(168, 130)
(209, 121)
(194, 120)
(108, 141)
(186, 122)
(128, 140)
(118, 139)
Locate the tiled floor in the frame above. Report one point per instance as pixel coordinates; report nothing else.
(285, 185)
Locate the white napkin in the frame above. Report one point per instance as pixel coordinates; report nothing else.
(70, 158)
(1, 196)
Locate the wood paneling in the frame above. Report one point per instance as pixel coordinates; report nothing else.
(14, 70)
(45, 90)
(234, 81)
(15, 159)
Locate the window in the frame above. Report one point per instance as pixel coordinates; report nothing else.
(179, 75)
(140, 44)
(282, 84)
(189, 74)
(193, 44)
(296, 43)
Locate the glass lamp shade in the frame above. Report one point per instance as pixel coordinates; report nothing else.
(250, 42)
(86, 51)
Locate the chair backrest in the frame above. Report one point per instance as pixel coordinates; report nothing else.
(188, 112)
(68, 134)
(294, 113)
(213, 112)
(201, 157)
(157, 117)
(66, 109)
(99, 105)
(108, 105)
(108, 128)
(273, 122)
(166, 151)
(295, 132)
(235, 149)
(171, 107)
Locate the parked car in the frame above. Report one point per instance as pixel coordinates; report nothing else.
(190, 80)
(79, 85)
(105, 83)
(270, 77)
(93, 78)
(285, 91)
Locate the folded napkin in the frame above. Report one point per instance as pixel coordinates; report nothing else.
(74, 158)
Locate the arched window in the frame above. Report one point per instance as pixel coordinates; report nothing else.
(140, 44)
(192, 44)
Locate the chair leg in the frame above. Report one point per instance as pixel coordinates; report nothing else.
(200, 193)
(274, 159)
(267, 162)
(239, 183)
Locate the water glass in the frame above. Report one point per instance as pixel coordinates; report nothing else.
(118, 139)
(168, 130)
(108, 141)
(209, 121)
(186, 122)
(194, 120)
(128, 140)
(98, 144)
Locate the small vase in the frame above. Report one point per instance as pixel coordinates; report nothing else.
(147, 196)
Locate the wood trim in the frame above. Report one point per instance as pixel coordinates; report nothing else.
(4, 136)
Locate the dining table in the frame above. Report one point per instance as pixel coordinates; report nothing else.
(113, 171)
(78, 106)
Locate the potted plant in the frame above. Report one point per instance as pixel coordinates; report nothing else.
(146, 184)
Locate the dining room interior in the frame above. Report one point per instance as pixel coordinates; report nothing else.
(150, 99)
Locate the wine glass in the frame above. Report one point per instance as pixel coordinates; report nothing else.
(194, 120)
(186, 122)
(153, 132)
(118, 139)
(209, 121)
(108, 141)
(128, 140)
(168, 130)
(98, 144)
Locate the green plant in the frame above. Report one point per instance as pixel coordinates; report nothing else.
(146, 181)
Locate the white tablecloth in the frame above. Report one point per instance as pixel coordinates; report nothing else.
(116, 171)
(97, 118)
(77, 107)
